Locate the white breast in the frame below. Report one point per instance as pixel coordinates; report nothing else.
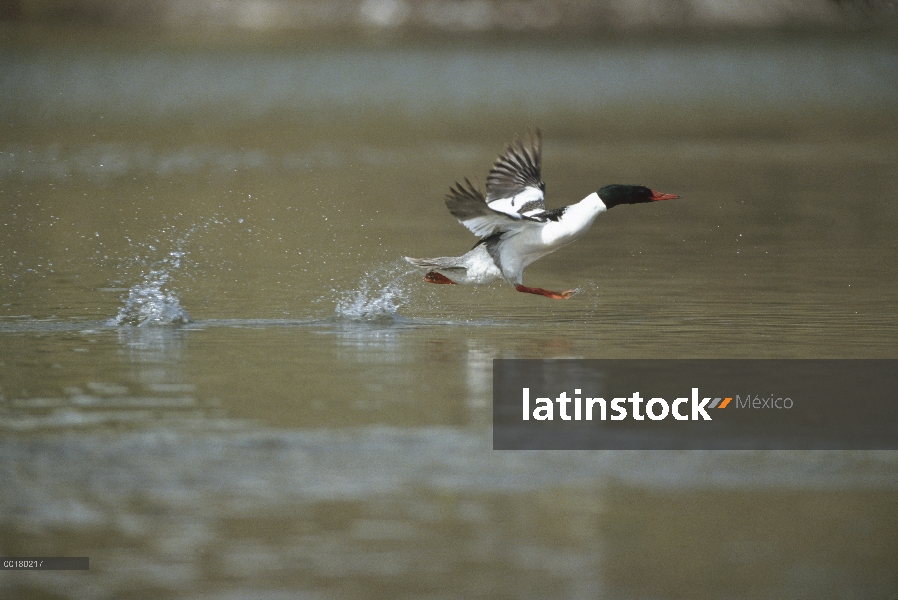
(528, 246)
(576, 220)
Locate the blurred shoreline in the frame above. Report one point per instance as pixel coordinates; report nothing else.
(454, 16)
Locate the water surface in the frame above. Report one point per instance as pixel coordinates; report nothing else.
(218, 378)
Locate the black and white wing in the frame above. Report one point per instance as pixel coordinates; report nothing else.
(467, 204)
(514, 185)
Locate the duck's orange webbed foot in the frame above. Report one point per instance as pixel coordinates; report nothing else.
(547, 293)
(434, 277)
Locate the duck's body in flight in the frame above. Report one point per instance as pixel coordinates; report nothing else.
(514, 227)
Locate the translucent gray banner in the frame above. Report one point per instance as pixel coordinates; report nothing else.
(45, 563)
(718, 404)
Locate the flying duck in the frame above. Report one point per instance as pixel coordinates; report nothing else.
(512, 222)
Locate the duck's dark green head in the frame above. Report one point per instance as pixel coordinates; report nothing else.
(615, 194)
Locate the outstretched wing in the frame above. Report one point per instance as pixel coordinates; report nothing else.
(514, 185)
(467, 204)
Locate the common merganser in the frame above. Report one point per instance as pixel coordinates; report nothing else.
(514, 227)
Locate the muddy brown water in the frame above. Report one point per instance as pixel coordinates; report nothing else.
(321, 426)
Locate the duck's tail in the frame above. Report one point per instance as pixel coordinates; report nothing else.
(446, 269)
(443, 262)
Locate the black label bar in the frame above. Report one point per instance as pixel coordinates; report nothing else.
(45, 563)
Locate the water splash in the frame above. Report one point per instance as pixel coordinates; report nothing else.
(153, 302)
(149, 303)
(379, 296)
